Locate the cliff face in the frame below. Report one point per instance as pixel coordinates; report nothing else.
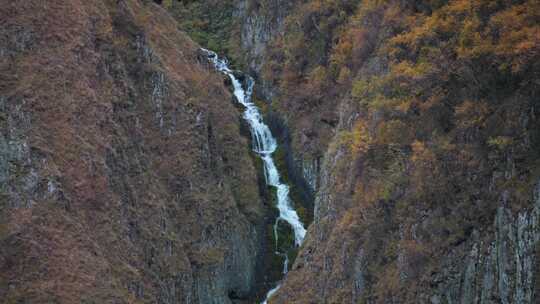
(416, 125)
(428, 189)
(260, 22)
(124, 177)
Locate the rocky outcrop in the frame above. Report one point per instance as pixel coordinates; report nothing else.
(499, 268)
(428, 186)
(123, 174)
(496, 264)
(260, 22)
(124, 178)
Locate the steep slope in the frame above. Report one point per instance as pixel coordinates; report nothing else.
(429, 185)
(242, 29)
(124, 177)
(416, 123)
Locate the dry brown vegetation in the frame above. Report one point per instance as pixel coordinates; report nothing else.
(135, 147)
(439, 121)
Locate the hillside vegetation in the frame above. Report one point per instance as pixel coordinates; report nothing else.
(409, 133)
(438, 128)
(124, 177)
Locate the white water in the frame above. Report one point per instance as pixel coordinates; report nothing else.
(264, 144)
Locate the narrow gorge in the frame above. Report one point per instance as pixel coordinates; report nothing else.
(264, 144)
(346, 151)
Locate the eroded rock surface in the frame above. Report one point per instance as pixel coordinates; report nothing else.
(123, 174)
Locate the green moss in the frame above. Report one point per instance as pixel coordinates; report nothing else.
(273, 262)
(304, 215)
(500, 142)
(285, 243)
(211, 24)
(280, 161)
(263, 105)
(3, 119)
(280, 157)
(285, 239)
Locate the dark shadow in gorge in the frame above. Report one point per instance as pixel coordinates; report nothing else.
(301, 192)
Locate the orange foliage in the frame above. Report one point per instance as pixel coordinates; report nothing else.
(361, 138)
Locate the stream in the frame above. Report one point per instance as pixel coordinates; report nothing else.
(264, 145)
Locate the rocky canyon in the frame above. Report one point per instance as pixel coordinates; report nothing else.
(243, 151)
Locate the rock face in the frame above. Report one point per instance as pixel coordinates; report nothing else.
(123, 174)
(422, 149)
(414, 123)
(260, 22)
(500, 270)
(496, 263)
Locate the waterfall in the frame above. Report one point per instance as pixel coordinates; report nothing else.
(264, 144)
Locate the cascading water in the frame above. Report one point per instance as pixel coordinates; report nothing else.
(264, 144)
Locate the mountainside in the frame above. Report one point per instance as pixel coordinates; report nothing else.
(408, 132)
(124, 175)
(427, 188)
(416, 124)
